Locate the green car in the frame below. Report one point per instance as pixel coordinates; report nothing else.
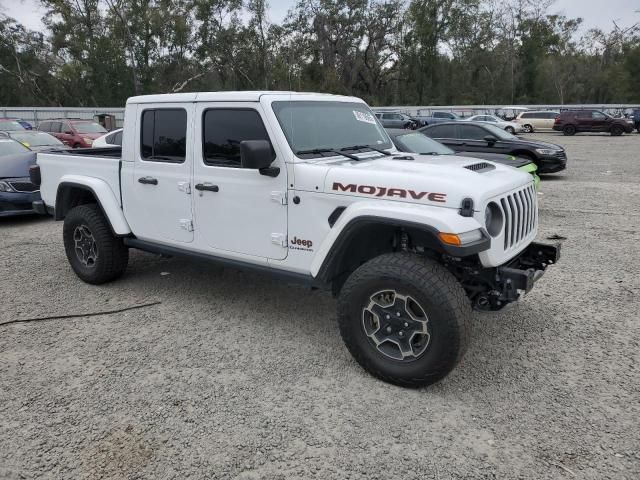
(410, 141)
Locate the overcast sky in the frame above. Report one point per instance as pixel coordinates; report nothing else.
(596, 13)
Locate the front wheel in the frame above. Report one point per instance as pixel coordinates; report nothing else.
(511, 130)
(616, 130)
(405, 319)
(528, 128)
(94, 253)
(569, 130)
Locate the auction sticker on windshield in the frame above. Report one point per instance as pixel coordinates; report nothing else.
(364, 117)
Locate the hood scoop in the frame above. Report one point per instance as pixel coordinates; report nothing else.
(480, 167)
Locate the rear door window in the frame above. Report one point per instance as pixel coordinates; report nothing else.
(164, 135)
(441, 131)
(471, 132)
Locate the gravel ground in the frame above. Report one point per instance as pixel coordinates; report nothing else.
(236, 376)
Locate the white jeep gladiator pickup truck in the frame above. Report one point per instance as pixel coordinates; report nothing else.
(308, 187)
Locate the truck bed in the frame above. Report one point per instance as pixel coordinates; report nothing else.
(111, 152)
(62, 166)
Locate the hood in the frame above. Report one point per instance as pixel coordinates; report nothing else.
(427, 179)
(510, 160)
(16, 165)
(539, 144)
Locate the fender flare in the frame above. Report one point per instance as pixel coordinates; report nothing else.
(361, 216)
(104, 196)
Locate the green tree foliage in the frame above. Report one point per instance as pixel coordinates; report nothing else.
(419, 52)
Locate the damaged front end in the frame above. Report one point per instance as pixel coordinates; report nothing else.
(493, 288)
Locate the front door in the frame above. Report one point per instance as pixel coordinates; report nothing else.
(599, 122)
(158, 198)
(237, 210)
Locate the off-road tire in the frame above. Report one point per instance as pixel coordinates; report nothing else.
(112, 255)
(616, 130)
(439, 294)
(569, 130)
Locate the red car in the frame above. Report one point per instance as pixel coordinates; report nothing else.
(73, 132)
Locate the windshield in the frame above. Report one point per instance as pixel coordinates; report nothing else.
(10, 126)
(499, 133)
(417, 142)
(36, 139)
(9, 147)
(89, 128)
(329, 125)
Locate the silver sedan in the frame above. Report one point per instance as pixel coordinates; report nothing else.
(510, 127)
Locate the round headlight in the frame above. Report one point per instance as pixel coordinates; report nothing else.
(493, 219)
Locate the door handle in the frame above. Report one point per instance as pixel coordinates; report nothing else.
(148, 180)
(207, 186)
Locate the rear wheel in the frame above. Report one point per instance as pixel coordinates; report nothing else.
(617, 130)
(94, 253)
(405, 319)
(569, 130)
(511, 130)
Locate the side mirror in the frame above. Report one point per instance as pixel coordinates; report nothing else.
(490, 139)
(257, 154)
(68, 132)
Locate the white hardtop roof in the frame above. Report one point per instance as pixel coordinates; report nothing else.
(239, 96)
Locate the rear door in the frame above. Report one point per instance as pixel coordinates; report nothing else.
(66, 134)
(158, 197)
(445, 134)
(583, 121)
(237, 210)
(55, 130)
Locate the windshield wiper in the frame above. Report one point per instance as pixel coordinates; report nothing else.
(320, 151)
(360, 147)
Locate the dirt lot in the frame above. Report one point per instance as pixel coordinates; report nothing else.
(235, 376)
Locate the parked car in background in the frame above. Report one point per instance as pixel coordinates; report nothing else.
(571, 122)
(635, 116)
(539, 120)
(509, 113)
(10, 125)
(510, 127)
(396, 120)
(35, 140)
(418, 142)
(17, 192)
(111, 139)
(25, 124)
(485, 137)
(76, 133)
(436, 117)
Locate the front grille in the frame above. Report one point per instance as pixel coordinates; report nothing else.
(520, 215)
(24, 187)
(480, 167)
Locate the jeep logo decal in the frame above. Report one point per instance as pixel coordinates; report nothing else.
(299, 244)
(389, 192)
